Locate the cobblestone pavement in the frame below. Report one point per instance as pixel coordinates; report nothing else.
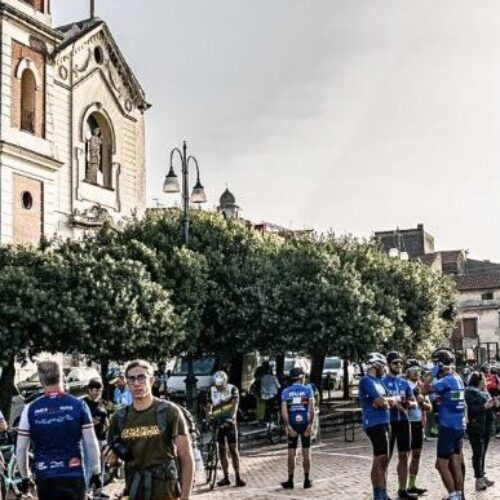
(340, 471)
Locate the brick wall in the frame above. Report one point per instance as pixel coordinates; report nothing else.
(20, 51)
(27, 222)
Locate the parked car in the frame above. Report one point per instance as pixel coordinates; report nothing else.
(333, 373)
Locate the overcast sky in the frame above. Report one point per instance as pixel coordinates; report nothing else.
(356, 115)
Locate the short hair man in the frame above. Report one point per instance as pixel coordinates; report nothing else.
(297, 411)
(449, 388)
(149, 436)
(56, 424)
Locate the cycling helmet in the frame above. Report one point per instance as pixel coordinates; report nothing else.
(376, 358)
(220, 378)
(296, 373)
(443, 357)
(393, 356)
(114, 374)
(486, 367)
(412, 365)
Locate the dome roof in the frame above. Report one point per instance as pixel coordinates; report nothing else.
(227, 198)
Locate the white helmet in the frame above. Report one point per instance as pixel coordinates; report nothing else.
(376, 358)
(220, 379)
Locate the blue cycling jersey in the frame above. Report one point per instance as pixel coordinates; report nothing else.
(297, 398)
(399, 389)
(54, 423)
(122, 397)
(415, 414)
(371, 388)
(451, 401)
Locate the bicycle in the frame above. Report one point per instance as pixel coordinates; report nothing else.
(10, 477)
(274, 424)
(210, 452)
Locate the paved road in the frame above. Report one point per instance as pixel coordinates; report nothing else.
(341, 471)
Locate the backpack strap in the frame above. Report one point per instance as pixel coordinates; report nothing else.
(121, 418)
(162, 413)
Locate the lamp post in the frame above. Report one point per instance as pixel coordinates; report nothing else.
(198, 196)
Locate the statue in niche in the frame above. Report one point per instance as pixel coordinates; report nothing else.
(94, 157)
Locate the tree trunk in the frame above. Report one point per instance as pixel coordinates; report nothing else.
(7, 387)
(318, 361)
(346, 381)
(280, 368)
(236, 369)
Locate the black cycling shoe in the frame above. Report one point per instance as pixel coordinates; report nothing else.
(240, 483)
(224, 482)
(307, 483)
(406, 495)
(417, 491)
(288, 485)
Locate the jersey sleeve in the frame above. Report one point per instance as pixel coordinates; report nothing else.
(409, 391)
(368, 390)
(234, 393)
(24, 423)
(439, 386)
(2, 418)
(178, 424)
(284, 396)
(87, 422)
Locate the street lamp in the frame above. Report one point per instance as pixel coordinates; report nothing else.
(397, 250)
(198, 196)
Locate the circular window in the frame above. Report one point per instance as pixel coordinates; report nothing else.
(98, 55)
(27, 200)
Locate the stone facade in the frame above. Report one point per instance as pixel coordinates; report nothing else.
(58, 88)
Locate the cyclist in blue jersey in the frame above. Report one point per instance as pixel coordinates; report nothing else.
(450, 391)
(121, 395)
(375, 404)
(416, 416)
(398, 388)
(297, 410)
(57, 425)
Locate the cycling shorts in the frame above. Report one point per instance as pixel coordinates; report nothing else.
(293, 442)
(450, 441)
(61, 488)
(380, 436)
(228, 432)
(401, 434)
(417, 435)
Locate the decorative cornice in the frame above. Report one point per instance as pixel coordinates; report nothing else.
(19, 152)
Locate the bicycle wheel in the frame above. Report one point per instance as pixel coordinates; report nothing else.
(211, 464)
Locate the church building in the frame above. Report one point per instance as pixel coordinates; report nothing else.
(72, 126)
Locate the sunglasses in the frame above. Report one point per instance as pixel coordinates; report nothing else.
(139, 379)
(397, 363)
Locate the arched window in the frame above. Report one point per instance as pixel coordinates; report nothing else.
(28, 101)
(99, 149)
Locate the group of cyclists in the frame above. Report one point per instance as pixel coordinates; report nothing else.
(397, 396)
(72, 440)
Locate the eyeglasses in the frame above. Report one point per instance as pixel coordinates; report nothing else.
(139, 379)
